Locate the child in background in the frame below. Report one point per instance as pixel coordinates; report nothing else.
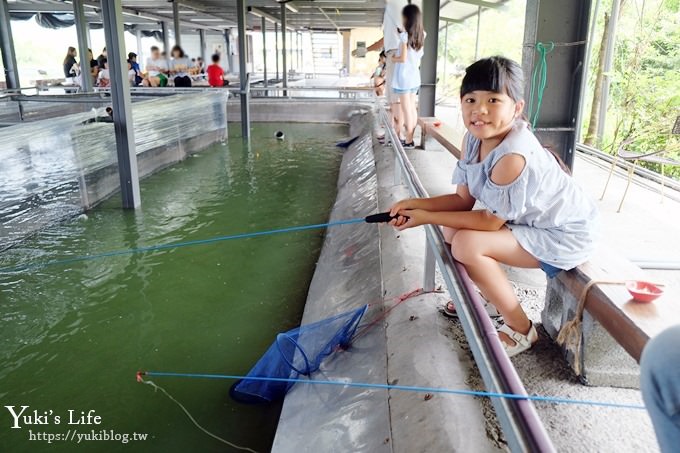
(535, 215)
(216, 73)
(378, 76)
(103, 78)
(406, 79)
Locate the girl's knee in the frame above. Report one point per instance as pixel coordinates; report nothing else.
(464, 246)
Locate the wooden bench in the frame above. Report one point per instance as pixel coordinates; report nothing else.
(446, 135)
(615, 328)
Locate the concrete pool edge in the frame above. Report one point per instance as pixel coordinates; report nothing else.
(412, 346)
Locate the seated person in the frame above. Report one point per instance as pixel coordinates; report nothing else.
(378, 76)
(134, 66)
(216, 73)
(181, 67)
(156, 70)
(104, 79)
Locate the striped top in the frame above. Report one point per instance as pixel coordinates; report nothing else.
(548, 213)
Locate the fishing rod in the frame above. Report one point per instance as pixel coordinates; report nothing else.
(382, 217)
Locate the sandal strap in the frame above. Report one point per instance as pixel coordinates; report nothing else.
(519, 338)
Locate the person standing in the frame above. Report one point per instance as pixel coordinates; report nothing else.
(70, 64)
(390, 42)
(406, 78)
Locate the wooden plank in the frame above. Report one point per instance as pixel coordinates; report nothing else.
(446, 135)
(630, 323)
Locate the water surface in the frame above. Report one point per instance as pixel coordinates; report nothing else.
(72, 337)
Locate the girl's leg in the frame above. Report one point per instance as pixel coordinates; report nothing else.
(397, 117)
(414, 112)
(410, 116)
(480, 252)
(405, 101)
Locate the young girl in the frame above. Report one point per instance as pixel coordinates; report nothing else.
(535, 216)
(406, 79)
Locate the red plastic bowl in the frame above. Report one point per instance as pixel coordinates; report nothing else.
(643, 291)
(437, 123)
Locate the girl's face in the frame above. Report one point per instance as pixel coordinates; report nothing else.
(488, 114)
(175, 54)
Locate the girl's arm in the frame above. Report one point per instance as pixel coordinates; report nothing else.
(459, 201)
(402, 54)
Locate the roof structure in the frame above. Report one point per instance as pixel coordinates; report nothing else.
(218, 15)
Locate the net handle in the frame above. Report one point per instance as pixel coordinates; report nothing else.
(298, 347)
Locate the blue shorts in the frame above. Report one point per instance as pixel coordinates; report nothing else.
(550, 270)
(406, 91)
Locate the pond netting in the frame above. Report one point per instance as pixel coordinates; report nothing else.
(298, 352)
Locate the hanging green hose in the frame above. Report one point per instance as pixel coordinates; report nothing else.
(540, 73)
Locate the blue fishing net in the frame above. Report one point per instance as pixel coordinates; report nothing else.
(298, 352)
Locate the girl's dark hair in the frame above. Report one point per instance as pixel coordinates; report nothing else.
(501, 75)
(413, 24)
(497, 74)
(177, 49)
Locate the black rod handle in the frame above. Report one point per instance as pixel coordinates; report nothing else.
(382, 217)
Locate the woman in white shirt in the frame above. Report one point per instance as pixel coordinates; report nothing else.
(406, 77)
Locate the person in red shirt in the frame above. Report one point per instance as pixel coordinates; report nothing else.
(216, 73)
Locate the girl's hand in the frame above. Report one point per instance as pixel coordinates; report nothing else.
(409, 203)
(416, 217)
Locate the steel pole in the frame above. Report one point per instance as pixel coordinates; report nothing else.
(175, 23)
(83, 44)
(9, 58)
(276, 48)
(112, 18)
(243, 76)
(264, 49)
(606, 74)
(283, 49)
(166, 38)
(479, 21)
(428, 65)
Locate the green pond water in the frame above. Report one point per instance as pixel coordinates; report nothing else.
(72, 337)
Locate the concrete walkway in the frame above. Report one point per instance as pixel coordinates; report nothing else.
(645, 229)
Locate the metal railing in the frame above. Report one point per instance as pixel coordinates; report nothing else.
(518, 418)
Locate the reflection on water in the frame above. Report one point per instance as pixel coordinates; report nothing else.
(72, 337)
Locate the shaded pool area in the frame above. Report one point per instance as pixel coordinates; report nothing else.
(72, 337)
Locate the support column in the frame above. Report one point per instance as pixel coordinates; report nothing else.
(264, 50)
(175, 23)
(112, 18)
(299, 55)
(283, 50)
(559, 22)
(606, 73)
(201, 39)
(166, 38)
(140, 51)
(276, 48)
(83, 44)
(229, 56)
(428, 65)
(479, 22)
(346, 51)
(243, 76)
(9, 59)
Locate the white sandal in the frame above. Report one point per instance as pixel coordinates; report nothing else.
(522, 342)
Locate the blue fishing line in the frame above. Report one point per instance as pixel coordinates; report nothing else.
(173, 245)
(407, 388)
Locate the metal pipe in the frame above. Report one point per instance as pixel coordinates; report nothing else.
(428, 65)
(166, 38)
(243, 76)
(479, 21)
(264, 49)
(276, 48)
(83, 45)
(586, 68)
(201, 41)
(140, 51)
(176, 24)
(519, 420)
(608, 63)
(9, 58)
(112, 18)
(283, 53)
